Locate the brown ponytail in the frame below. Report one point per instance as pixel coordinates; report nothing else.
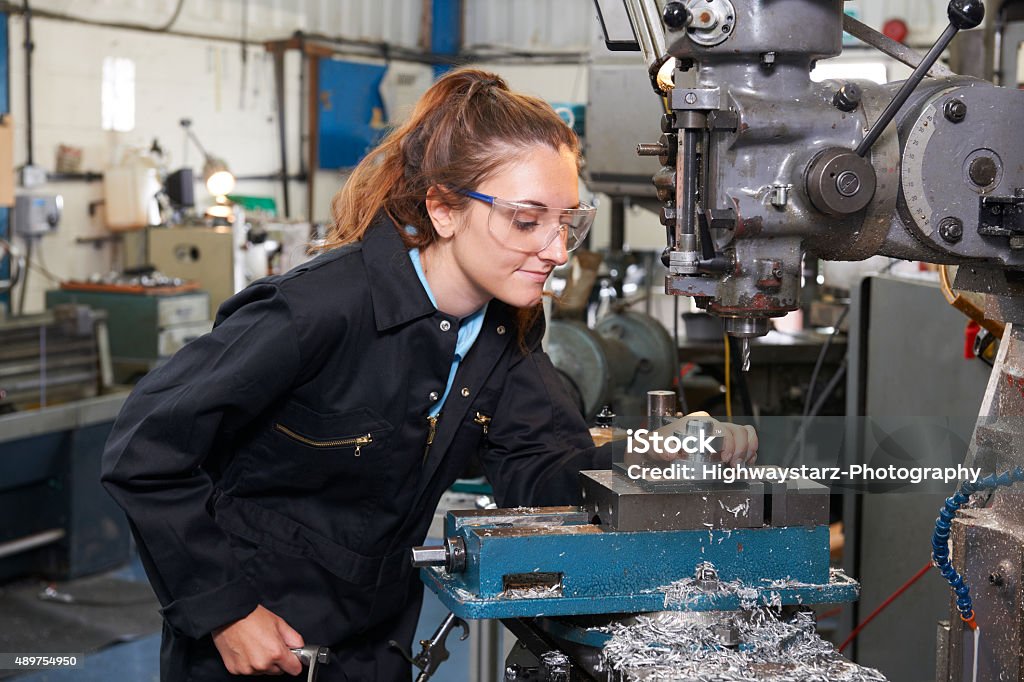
(462, 130)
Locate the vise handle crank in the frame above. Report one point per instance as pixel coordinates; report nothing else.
(312, 656)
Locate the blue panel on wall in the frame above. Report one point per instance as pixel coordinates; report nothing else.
(352, 115)
(446, 31)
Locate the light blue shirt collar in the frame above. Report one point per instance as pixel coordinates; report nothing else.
(469, 328)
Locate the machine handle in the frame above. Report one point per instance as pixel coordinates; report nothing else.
(676, 16)
(963, 14)
(434, 652)
(312, 656)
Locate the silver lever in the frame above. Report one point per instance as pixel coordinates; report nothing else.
(312, 656)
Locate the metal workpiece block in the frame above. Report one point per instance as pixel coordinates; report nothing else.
(618, 503)
(796, 502)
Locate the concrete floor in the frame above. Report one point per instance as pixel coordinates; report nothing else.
(139, 660)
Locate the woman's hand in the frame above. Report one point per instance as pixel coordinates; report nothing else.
(739, 442)
(259, 644)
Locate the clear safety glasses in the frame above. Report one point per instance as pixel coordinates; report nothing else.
(531, 229)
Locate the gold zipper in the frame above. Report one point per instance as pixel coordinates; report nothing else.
(431, 432)
(483, 420)
(358, 441)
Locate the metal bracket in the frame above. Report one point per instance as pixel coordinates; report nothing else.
(1001, 216)
(686, 99)
(723, 119)
(721, 218)
(434, 651)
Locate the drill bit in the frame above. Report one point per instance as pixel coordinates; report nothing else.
(745, 355)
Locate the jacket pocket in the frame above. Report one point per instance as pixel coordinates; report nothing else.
(356, 442)
(299, 449)
(352, 430)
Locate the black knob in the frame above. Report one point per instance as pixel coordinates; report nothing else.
(963, 14)
(666, 256)
(847, 98)
(676, 16)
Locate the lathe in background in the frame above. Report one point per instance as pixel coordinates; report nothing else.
(57, 406)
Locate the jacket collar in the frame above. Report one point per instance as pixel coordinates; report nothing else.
(397, 294)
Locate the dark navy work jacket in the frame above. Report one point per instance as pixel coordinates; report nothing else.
(281, 459)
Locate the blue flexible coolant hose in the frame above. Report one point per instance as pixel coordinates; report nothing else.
(940, 540)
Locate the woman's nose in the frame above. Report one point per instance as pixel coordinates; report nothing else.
(556, 251)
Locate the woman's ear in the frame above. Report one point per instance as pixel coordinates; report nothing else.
(441, 213)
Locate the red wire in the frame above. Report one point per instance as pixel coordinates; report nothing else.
(891, 599)
(831, 612)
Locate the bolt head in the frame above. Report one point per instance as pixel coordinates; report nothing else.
(848, 97)
(951, 230)
(848, 183)
(955, 110)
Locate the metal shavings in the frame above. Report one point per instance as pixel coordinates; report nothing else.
(687, 591)
(538, 592)
(738, 509)
(461, 594)
(688, 647)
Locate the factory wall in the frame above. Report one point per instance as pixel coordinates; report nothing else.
(175, 77)
(186, 77)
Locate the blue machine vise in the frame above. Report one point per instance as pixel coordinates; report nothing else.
(640, 547)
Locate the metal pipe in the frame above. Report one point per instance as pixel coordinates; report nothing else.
(29, 47)
(646, 21)
(686, 201)
(312, 62)
(28, 542)
(282, 133)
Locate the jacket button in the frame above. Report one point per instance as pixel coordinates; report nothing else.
(501, 329)
(433, 396)
(465, 392)
(445, 325)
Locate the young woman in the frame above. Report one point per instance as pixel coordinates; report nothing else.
(278, 470)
